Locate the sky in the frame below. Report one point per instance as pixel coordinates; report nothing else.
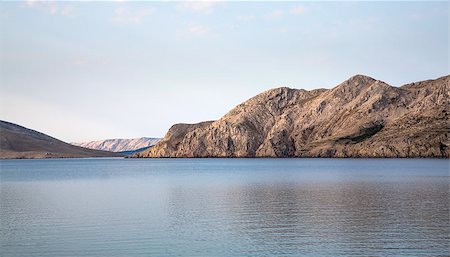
(91, 70)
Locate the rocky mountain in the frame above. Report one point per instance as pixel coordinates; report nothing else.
(120, 145)
(361, 117)
(20, 142)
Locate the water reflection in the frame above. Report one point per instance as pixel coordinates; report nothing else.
(219, 208)
(330, 218)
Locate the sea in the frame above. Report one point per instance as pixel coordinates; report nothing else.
(224, 207)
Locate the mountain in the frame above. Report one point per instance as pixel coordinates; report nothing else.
(20, 142)
(361, 117)
(131, 152)
(120, 145)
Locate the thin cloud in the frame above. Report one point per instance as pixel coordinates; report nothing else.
(282, 30)
(205, 7)
(89, 61)
(30, 3)
(67, 11)
(124, 15)
(51, 7)
(194, 30)
(246, 18)
(299, 9)
(275, 15)
(198, 30)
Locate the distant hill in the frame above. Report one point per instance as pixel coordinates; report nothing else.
(361, 117)
(131, 152)
(20, 142)
(120, 145)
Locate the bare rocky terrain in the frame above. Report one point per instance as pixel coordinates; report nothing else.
(361, 117)
(20, 142)
(120, 145)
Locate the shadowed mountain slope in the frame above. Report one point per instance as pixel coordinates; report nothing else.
(361, 117)
(20, 142)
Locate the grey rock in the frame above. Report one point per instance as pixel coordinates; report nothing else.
(361, 117)
(120, 145)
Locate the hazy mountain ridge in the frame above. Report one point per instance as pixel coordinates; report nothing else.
(120, 145)
(20, 142)
(361, 117)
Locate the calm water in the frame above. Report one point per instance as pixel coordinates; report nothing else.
(224, 207)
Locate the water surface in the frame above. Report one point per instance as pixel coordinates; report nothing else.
(224, 207)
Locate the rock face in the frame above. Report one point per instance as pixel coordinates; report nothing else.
(120, 145)
(20, 142)
(361, 117)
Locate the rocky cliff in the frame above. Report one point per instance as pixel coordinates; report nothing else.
(361, 117)
(120, 145)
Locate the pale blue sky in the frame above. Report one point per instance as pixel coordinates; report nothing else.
(95, 70)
